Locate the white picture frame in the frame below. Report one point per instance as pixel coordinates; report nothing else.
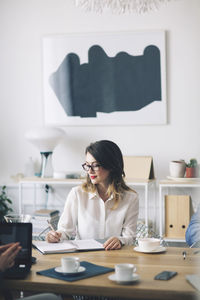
(57, 47)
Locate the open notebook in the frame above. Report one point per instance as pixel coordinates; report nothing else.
(67, 246)
(194, 280)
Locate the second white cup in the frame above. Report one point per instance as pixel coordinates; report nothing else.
(148, 244)
(70, 264)
(124, 272)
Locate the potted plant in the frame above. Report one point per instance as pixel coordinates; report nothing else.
(4, 204)
(191, 168)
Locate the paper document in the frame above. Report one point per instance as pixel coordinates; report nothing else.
(194, 280)
(67, 246)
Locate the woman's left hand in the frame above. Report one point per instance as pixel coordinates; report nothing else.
(112, 243)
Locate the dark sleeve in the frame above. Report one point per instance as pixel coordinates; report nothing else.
(1, 277)
(1, 282)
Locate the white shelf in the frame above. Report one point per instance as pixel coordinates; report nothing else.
(174, 240)
(173, 184)
(39, 180)
(146, 184)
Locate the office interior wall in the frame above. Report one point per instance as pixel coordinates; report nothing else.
(25, 22)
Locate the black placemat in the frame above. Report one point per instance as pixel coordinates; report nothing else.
(91, 270)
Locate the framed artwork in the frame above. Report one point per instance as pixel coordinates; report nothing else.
(105, 78)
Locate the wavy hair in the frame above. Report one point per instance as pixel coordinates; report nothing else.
(109, 156)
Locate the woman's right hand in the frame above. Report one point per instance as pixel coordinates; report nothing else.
(53, 237)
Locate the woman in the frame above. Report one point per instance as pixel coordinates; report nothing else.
(104, 207)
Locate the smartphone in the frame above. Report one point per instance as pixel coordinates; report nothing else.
(165, 275)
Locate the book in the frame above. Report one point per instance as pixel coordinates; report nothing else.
(67, 246)
(47, 212)
(194, 280)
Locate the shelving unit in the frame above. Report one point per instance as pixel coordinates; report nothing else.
(146, 184)
(163, 184)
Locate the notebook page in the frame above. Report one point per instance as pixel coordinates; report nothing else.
(194, 280)
(46, 247)
(88, 244)
(67, 246)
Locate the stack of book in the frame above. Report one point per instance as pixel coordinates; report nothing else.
(40, 221)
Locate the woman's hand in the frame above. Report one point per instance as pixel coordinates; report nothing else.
(112, 243)
(53, 237)
(7, 255)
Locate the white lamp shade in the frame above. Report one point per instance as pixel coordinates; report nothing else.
(45, 139)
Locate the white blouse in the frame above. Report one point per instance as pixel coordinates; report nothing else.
(87, 216)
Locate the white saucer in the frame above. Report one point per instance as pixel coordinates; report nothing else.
(183, 179)
(135, 277)
(59, 270)
(157, 250)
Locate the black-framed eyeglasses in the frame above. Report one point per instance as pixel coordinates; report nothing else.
(93, 167)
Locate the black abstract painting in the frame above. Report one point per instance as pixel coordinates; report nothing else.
(124, 82)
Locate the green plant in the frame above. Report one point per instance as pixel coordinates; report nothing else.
(192, 163)
(4, 203)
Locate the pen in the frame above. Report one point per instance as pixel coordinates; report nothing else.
(184, 254)
(59, 238)
(50, 225)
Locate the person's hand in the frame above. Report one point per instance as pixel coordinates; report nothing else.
(7, 255)
(112, 243)
(53, 237)
(4, 247)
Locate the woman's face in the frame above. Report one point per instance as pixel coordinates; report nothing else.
(99, 175)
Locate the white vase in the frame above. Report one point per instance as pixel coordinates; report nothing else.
(29, 170)
(46, 166)
(177, 168)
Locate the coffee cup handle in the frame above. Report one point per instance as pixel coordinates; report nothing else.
(77, 265)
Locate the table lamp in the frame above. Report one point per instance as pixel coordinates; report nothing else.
(45, 139)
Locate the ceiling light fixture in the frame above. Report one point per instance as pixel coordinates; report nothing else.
(120, 6)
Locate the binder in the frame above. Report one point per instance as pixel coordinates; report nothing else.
(139, 167)
(178, 210)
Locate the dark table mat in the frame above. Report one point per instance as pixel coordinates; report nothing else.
(91, 270)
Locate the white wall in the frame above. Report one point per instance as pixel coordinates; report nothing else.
(22, 26)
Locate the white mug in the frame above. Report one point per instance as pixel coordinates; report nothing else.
(124, 272)
(70, 264)
(148, 244)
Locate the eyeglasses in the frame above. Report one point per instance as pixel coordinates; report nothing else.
(93, 167)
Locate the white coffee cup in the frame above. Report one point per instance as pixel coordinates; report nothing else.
(124, 272)
(70, 264)
(148, 244)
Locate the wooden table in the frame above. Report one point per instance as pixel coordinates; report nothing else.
(148, 265)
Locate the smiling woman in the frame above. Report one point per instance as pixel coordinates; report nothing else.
(104, 207)
(108, 178)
